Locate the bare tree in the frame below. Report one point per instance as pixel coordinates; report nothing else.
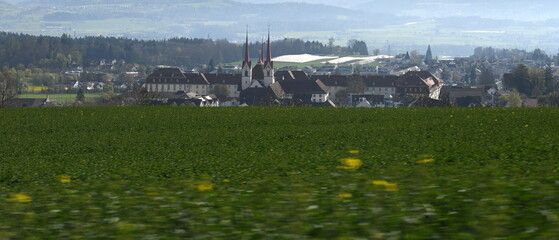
(138, 96)
(8, 88)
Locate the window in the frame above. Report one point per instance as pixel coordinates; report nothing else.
(268, 73)
(246, 73)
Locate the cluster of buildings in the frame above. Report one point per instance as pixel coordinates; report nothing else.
(261, 85)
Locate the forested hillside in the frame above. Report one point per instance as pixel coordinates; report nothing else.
(61, 52)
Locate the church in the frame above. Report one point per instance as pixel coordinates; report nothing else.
(255, 85)
(262, 75)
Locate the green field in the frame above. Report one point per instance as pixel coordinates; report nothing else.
(62, 98)
(279, 173)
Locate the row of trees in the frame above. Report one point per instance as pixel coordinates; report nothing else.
(61, 53)
(513, 55)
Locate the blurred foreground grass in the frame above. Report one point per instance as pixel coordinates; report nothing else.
(279, 173)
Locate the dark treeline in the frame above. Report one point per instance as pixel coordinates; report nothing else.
(60, 53)
(513, 55)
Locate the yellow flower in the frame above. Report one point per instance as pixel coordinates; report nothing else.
(226, 180)
(20, 197)
(423, 161)
(354, 151)
(390, 187)
(379, 182)
(350, 163)
(526, 125)
(205, 186)
(345, 195)
(64, 178)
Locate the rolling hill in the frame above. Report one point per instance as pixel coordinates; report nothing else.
(452, 27)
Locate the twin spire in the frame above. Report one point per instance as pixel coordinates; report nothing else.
(268, 61)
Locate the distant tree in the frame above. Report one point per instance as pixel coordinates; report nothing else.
(135, 96)
(514, 99)
(220, 91)
(537, 81)
(550, 99)
(211, 66)
(486, 77)
(108, 89)
(129, 81)
(356, 85)
(446, 75)
(331, 44)
(80, 97)
(341, 96)
(358, 47)
(376, 52)
(539, 55)
(520, 79)
(473, 75)
(8, 88)
(415, 58)
(357, 68)
(548, 79)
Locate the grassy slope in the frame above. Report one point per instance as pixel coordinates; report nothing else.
(274, 172)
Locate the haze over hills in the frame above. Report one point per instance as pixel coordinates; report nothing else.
(496, 9)
(453, 27)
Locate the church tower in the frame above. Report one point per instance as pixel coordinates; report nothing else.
(269, 78)
(247, 67)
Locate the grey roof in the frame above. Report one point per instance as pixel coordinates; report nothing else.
(291, 75)
(414, 79)
(303, 87)
(331, 80)
(258, 71)
(380, 80)
(176, 75)
(195, 78)
(228, 79)
(167, 73)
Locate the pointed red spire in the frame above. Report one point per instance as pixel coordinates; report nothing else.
(269, 50)
(261, 60)
(247, 56)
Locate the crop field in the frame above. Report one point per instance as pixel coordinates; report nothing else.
(62, 98)
(279, 173)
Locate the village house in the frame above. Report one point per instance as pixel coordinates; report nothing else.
(298, 88)
(174, 79)
(419, 84)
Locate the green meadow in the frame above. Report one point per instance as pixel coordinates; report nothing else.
(279, 173)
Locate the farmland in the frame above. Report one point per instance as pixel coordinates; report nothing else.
(63, 98)
(279, 173)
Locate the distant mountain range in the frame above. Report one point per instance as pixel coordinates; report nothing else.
(452, 27)
(520, 10)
